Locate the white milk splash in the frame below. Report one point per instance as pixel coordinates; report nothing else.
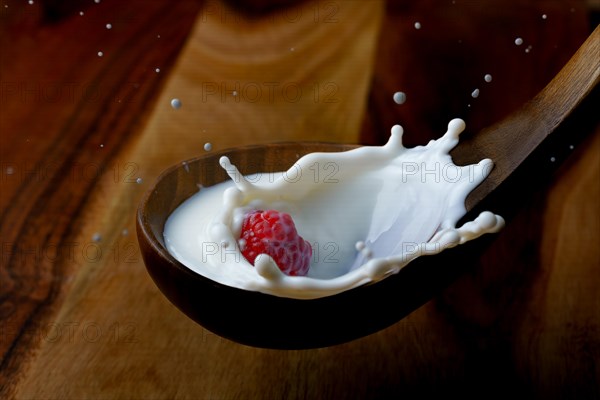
(367, 212)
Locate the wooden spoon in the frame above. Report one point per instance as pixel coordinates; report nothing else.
(264, 320)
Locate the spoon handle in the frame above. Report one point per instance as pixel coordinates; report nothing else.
(509, 142)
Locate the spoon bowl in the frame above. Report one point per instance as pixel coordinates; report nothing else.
(264, 320)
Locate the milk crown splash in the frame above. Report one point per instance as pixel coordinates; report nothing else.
(379, 208)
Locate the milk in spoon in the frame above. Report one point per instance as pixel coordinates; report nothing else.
(367, 213)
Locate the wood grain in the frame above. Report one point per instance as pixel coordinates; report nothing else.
(522, 323)
(237, 82)
(61, 124)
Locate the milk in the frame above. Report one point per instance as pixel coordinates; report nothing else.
(367, 213)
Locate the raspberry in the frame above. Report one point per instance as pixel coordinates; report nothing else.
(273, 233)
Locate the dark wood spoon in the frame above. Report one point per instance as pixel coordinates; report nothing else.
(520, 144)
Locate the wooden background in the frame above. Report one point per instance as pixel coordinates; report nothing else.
(82, 136)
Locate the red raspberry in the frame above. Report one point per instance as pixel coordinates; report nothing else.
(273, 233)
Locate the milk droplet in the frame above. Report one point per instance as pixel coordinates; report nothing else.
(139, 181)
(30, 1)
(544, 16)
(108, 26)
(96, 237)
(176, 104)
(81, 13)
(96, 1)
(487, 78)
(292, 49)
(571, 147)
(125, 232)
(528, 49)
(158, 36)
(475, 93)
(242, 244)
(417, 25)
(399, 97)
(157, 70)
(207, 146)
(100, 54)
(101, 144)
(397, 131)
(552, 159)
(518, 41)
(10, 170)
(361, 247)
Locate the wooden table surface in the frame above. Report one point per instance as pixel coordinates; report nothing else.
(86, 126)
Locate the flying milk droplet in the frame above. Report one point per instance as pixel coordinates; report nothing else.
(475, 93)
(417, 25)
(400, 97)
(518, 41)
(176, 104)
(207, 146)
(487, 78)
